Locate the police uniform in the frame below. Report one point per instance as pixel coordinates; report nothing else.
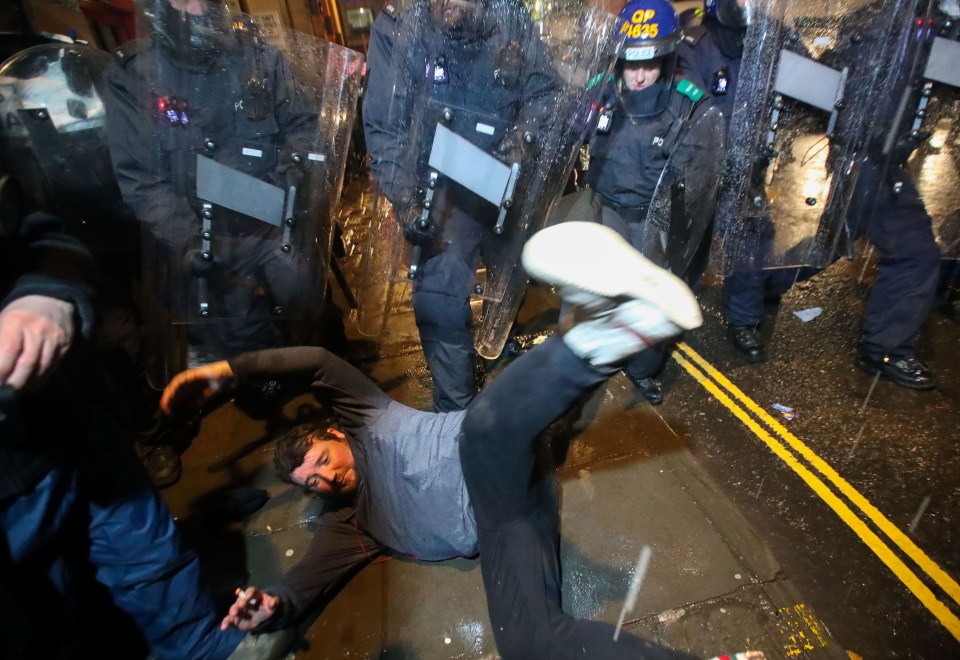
(888, 210)
(498, 72)
(242, 111)
(710, 55)
(628, 152)
(903, 292)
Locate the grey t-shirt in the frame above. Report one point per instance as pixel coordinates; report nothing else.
(413, 498)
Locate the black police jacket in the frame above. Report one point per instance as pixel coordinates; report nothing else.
(709, 56)
(627, 157)
(500, 76)
(243, 111)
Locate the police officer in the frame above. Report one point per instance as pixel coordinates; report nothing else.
(200, 86)
(710, 55)
(900, 229)
(888, 209)
(484, 58)
(643, 117)
(53, 143)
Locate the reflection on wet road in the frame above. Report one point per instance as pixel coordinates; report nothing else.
(829, 485)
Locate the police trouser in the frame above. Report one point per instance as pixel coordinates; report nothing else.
(745, 291)
(441, 295)
(649, 363)
(907, 269)
(908, 264)
(513, 493)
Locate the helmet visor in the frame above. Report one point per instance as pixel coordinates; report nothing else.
(734, 13)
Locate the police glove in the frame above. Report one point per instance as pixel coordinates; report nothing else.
(416, 230)
(199, 263)
(905, 146)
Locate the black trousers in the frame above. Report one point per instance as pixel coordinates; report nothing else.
(517, 514)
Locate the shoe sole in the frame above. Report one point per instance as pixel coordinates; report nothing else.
(596, 259)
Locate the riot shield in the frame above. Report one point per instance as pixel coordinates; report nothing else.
(810, 79)
(482, 129)
(685, 198)
(53, 141)
(935, 120)
(229, 141)
(912, 149)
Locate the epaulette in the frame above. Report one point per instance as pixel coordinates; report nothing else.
(598, 79)
(689, 90)
(390, 11)
(131, 49)
(693, 35)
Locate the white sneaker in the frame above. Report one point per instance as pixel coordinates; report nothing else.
(627, 303)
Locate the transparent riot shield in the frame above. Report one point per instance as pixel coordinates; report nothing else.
(809, 83)
(478, 136)
(53, 141)
(912, 148)
(934, 120)
(229, 141)
(685, 198)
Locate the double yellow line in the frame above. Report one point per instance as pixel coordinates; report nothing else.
(830, 486)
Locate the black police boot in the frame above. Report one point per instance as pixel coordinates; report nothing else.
(649, 388)
(906, 371)
(746, 339)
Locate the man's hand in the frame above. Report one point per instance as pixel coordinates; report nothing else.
(190, 390)
(251, 609)
(35, 334)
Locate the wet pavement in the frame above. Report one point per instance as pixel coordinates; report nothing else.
(830, 533)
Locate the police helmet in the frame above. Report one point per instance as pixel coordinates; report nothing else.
(731, 13)
(193, 39)
(650, 29)
(462, 20)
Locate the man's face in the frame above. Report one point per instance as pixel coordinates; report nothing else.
(640, 75)
(451, 13)
(328, 467)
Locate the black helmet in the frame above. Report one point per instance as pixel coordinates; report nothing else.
(195, 38)
(651, 32)
(728, 12)
(459, 19)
